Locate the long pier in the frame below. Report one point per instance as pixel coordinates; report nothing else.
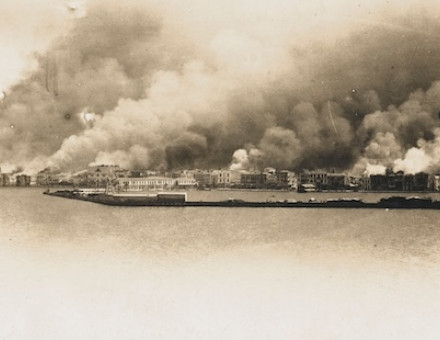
(394, 202)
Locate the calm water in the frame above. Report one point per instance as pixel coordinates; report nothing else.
(77, 270)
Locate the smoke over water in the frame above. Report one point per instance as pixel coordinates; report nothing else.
(238, 85)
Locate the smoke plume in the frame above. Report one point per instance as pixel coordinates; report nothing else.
(239, 85)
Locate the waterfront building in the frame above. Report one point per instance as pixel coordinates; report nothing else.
(204, 178)
(253, 180)
(365, 183)
(99, 175)
(186, 182)
(48, 176)
(434, 182)
(271, 177)
(4, 180)
(225, 178)
(120, 173)
(421, 181)
(12, 180)
(417, 182)
(181, 173)
(287, 179)
(22, 180)
(79, 179)
(398, 181)
(235, 177)
(33, 180)
(317, 178)
(145, 183)
(337, 181)
(391, 181)
(136, 174)
(323, 180)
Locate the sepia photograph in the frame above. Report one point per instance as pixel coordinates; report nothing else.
(219, 169)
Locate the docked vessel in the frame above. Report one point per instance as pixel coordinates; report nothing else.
(179, 199)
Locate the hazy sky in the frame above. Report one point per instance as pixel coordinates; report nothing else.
(27, 26)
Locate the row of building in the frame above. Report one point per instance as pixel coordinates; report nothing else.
(101, 176)
(269, 178)
(399, 181)
(18, 180)
(390, 181)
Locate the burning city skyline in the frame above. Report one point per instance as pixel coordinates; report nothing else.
(236, 84)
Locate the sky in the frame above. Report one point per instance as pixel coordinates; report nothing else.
(240, 84)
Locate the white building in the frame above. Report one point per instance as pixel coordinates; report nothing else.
(435, 182)
(186, 182)
(146, 183)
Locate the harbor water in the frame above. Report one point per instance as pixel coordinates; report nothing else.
(78, 270)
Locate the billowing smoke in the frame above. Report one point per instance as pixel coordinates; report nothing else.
(164, 86)
(424, 157)
(279, 147)
(403, 138)
(247, 159)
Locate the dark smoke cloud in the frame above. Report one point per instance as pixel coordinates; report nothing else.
(187, 151)
(110, 54)
(405, 137)
(280, 147)
(128, 86)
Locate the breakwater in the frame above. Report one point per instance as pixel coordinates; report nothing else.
(179, 200)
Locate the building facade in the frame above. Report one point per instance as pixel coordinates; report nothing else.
(4, 180)
(225, 178)
(48, 176)
(287, 180)
(434, 183)
(324, 180)
(185, 182)
(99, 175)
(253, 180)
(145, 183)
(22, 180)
(204, 178)
(398, 181)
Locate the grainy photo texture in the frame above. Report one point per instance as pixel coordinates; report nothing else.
(235, 169)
